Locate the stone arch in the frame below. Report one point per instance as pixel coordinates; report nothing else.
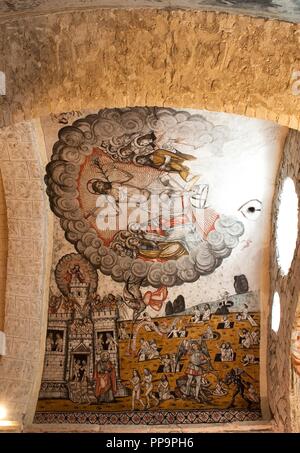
(288, 287)
(206, 60)
(29, 232)
(3, 251)
(203, 60)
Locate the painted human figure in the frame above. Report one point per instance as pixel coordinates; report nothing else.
(122, 333)
(153, 351)
(178, 329)
(111, 342)
(136, 389)
(246, 339)
(249, 359)
(223, 352)
(182, 351)
(255, 337)
(100, 342)
(164, 389)
(182, 332)
(149, 388)
(155, 299)
(206, 313)
(76, 275)
(186, 234)
(245, 316)
(203, 348)
(105, 377)
(196, 318)
(174, 331)
(115, 182)
(137, 146)
(244, 312)
(228, 353)
(175, 367)
(144, 350)
(251, 393)
(209, 334)
(162, 159)
(82, 371)
(49, 342)
(197, 365)
(76, 368)
(59, 343)
(166, 361)
(168, 161)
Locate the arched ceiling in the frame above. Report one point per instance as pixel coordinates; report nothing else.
(288, 10)
(20, 9)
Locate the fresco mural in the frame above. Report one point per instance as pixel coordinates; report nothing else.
(278, 9)
(154, 296)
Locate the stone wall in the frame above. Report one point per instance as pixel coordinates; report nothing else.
(3, 252)
(94, 59)
(22, 171)
(295, 402)
(115, 58)
(283, 9)
(288, 288)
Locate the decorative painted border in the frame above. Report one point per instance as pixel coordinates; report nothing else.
(149, 418)
(75, 144)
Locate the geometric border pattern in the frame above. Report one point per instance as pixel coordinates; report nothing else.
(149, 417)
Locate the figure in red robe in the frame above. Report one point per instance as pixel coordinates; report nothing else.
(105, 377)
(74, 275)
